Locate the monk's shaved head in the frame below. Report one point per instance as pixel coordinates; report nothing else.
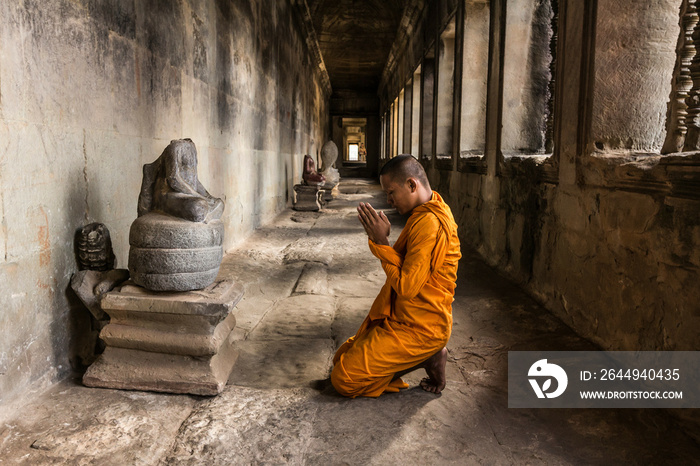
(403, 167)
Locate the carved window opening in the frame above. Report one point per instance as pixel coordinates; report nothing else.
(428, 89)
(684, 121)
(392, 138)
(382, 138)
(387, 135)
(445, 92)
(407, 115)
(528, 86)
(400, 122)
(415, 113)
(395, 133)
(475, 70)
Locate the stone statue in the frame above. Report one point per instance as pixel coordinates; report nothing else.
(176, 241)
(170, 185)
(310, 176)
(163, 335)
(94, 248)
(329, 154)
(96, 262)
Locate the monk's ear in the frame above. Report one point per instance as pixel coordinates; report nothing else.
(412, 185)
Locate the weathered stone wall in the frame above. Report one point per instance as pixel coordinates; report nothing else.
(606, 238)
(89, 92)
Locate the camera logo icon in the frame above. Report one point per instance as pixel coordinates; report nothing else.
(543, 371)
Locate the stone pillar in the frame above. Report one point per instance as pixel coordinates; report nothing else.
(635, 55)
(176, 342)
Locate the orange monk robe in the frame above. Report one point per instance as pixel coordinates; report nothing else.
(411, 319)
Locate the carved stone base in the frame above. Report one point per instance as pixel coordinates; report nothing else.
(171, 254)
(330, 192)
(168, 342)
(307, 198)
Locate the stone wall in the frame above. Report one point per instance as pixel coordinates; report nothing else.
(605, 231)
(89, 92)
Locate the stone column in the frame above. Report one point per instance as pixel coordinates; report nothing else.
(635, 56)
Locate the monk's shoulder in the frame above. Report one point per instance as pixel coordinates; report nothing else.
(425, 223)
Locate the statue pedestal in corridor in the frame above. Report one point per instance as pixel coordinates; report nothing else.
(308, 196)
(170, 327)
(176, 342)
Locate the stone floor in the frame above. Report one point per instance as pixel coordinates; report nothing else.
(309, 281)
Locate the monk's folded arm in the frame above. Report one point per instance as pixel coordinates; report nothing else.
(408, 279)
(386, 253)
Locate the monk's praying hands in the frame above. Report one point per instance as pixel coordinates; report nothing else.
(375, 223)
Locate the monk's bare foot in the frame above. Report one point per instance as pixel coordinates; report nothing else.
(435, 367)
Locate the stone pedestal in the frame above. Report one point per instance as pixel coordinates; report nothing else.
(171, 254)
(307, 197)
(330, 192)
(176, 342)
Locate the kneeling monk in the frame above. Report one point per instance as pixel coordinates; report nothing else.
(410, 322)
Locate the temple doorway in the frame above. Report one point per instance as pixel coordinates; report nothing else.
(354, 135)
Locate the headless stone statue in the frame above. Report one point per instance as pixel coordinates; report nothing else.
(176, 242)
(329, 154)
(170, 185)
(310, 175)
(307, 196)
(179, 341)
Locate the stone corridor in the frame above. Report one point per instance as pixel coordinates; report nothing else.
(309, 280)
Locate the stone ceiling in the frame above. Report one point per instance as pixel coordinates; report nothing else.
(355, 37)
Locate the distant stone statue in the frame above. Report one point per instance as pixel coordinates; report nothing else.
(329, 154)
(176, 242)
(170, 185)
(310, 175)
(308, 194)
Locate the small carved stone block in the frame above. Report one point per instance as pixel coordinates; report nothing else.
(93, 246)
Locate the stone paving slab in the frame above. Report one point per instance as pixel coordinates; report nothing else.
(81, 426)
(348, 317)
(259, 276)
(412, 426)
(359, 287)
(307, 249)
(249, 312)
(313, 280)
(282, 363)
(301, 316)
(247, 426)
